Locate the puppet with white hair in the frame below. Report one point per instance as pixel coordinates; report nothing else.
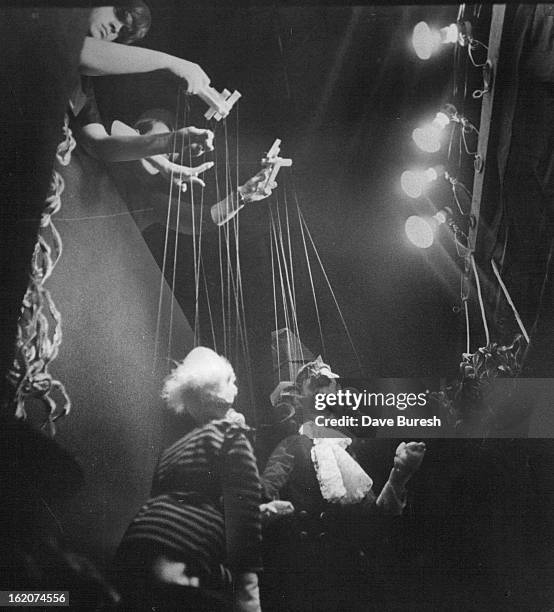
(202, 522)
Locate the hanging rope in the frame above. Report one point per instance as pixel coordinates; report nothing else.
(299, 347)
(177, 233)
(277, 349)
(289, 292)
(166, 242)
(329, 286)
(314, 296)
(285, 302)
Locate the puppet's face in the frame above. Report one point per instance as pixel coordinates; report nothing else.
(322, 384)
(228, 387)
(104, 24)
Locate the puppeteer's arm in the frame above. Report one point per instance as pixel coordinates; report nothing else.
(254, 190)
(124, 144)
(117, 148)
(277, 471)
(241, 499)
(101, 58)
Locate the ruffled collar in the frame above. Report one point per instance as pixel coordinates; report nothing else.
(313, 431)
(341, 478)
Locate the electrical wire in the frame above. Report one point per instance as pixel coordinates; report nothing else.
(480, 296)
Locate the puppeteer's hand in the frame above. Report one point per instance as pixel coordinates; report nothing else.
(258, 188)
(275, 509)
(177, 174)
(192, 73)
(195, 140)
(409, 457)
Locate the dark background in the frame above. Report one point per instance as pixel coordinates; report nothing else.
(343, 91)
(342, 88)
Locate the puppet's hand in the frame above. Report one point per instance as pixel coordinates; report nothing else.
(257, 188)
(168, 571)
(192, 73)
(409, 457)
(247, 594)
(275, 509)
(194, 140)
(177, 174)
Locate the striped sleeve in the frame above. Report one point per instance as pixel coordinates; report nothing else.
(277, 471)
(241, 504)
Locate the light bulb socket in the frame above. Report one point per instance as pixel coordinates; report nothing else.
(443, 216)
(465, 30)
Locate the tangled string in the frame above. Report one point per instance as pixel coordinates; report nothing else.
(39, 331)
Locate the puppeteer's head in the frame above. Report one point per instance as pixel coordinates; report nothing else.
(203, 386)
(155, 121)
(122, 24)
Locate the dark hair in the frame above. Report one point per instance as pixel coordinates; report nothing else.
(136, 18)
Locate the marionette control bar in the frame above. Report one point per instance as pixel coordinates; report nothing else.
(273, 161)
(220, 104)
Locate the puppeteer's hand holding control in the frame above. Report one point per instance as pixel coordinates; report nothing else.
(274, 163)
(255, 189)
(220, 104)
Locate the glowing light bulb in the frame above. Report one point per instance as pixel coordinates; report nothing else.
(428, 138)
(414, 182)
(425, 40)
(450, 34)
(431, 174)
(441, 120)
(419, 232)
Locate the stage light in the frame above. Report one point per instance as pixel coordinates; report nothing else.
(427, 41)
(442, 119)
(414, 182)
(429, 137)
(421, 230)
(450, 34)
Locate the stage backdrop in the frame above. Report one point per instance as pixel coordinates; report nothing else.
(107, 287)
